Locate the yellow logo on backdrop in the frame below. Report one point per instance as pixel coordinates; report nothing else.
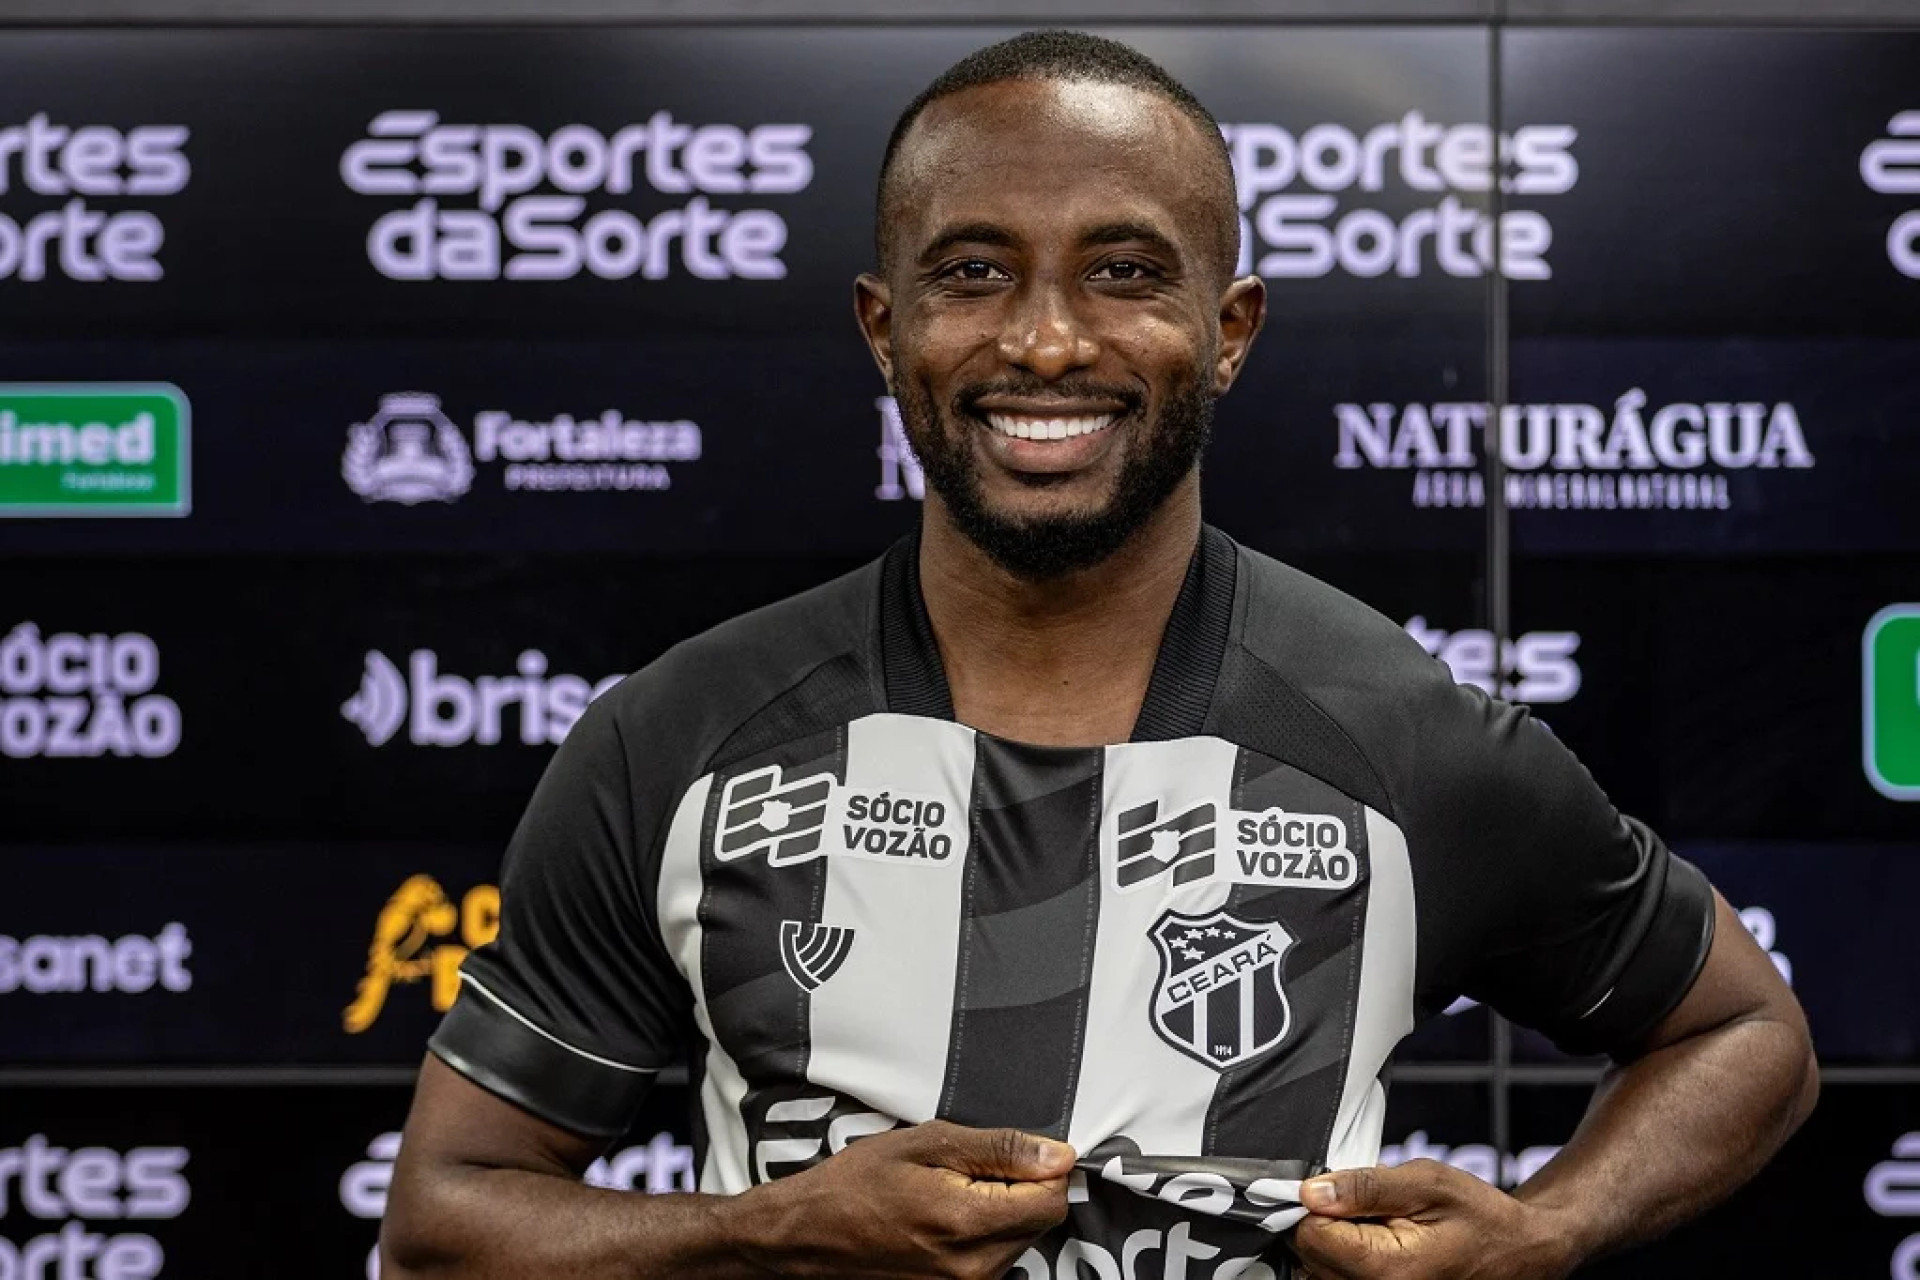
(406, 945)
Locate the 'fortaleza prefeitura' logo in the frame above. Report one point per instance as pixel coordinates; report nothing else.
(67, 695)
(411, 452)
(48, 173)
(441, 710)
(1631, 455)
(550, 206)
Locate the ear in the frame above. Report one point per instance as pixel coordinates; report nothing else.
(873, 309)
(1243, 309)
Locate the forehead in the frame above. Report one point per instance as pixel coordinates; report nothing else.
(1052, 152)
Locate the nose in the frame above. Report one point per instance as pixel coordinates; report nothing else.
(1043, 335)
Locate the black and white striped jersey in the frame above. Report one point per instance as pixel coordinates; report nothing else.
(775, 854)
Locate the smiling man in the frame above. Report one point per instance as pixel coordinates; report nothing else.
(1047, 898)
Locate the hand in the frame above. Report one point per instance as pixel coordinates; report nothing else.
(936, 1200)
(1424, 1221)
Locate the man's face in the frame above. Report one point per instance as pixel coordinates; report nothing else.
(1055, 320)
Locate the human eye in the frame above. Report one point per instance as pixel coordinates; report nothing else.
(972, 271)
(1125, 271)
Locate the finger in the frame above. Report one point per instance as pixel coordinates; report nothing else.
(1001, 1154)
(1377, 1192)
(1339, 1250)
(1010, 1210)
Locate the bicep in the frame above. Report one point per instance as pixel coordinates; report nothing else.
(1737, 983)
(455, 1123)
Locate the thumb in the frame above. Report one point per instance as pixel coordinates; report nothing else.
(1008, 1155)
(1377, 1192)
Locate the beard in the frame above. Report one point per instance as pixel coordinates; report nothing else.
(1037, 548)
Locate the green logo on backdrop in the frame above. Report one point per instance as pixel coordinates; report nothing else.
(1891, 712)
(93, 449)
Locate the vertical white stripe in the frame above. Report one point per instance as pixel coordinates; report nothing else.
(1383, 1010)
(881, 1024)
(1132, 1081)
(678, 903)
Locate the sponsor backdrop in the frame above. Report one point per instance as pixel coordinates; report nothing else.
(362, 421)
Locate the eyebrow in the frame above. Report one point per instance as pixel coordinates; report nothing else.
(969, 233)
(1129, 232)
(987, 233)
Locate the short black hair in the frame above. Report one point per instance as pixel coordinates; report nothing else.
(1071, 56)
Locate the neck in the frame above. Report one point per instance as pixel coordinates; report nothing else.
(1065, 661)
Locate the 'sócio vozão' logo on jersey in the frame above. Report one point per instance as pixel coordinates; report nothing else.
(1273, 847)
(1219, 999)
(1182, 844)
(411, 452)
(812, 952)
(799, 818)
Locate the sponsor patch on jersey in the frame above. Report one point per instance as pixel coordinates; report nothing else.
(797, 819)
(1273, 848)
(1218, 998)
(813, 953)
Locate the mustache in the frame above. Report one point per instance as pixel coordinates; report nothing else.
(967, 399)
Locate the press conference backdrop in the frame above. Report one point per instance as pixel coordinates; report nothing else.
(371, 399)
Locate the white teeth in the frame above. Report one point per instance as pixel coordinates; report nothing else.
(1047, 428)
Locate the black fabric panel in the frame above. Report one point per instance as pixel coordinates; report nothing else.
(1283, 1103)
(916, 682)
(1188, 665)
(1030, 905)
(504, 1056)
(1657, 975)
(759, 1014)
(1256, 707)
(833, 693)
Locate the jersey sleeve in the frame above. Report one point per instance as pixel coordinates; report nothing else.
(575, 1005)
(1534, 894)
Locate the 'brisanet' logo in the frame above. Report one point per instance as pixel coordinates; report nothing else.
(71, 166)
(439, 710)
(411, 452)
(1581, 457)
(93, 449)
(1891, 166)
(1287, 233)
(47, 965)
(535, 194)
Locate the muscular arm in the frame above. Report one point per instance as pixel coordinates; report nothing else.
(482, 1189)
(486, 1191)
(1720, 1084)
(1715, 1089)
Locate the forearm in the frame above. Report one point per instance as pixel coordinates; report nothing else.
(478, 1223)
(1675, 1132)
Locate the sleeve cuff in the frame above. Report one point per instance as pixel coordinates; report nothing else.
(1658, 974)
(485, 1040)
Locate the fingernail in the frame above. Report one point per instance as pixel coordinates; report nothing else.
(1057, 1152)
(1319, 1193)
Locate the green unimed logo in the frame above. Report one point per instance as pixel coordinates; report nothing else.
(1891, 710)
(94, 449)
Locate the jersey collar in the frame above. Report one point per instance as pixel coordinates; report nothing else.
(1184, 672)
